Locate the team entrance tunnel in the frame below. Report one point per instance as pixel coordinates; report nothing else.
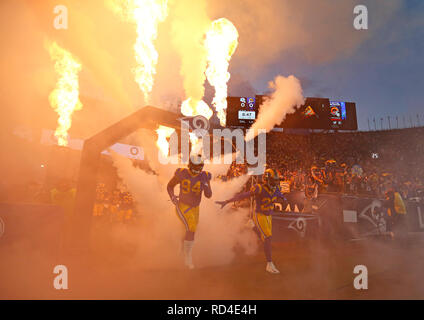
(149, 118)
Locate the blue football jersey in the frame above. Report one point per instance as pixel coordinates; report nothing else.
(265, 198)
(192, 186)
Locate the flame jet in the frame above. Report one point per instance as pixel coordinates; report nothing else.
(146, 15)
(221, 42)
(190, 108)
(64, 99)
(189, 26)
(162, 142)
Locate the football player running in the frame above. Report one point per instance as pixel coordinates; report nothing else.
(193, 182)
(266, 194)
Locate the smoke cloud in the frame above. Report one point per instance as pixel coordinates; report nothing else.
(104, 44)
(189, 25)
(318, 31)
(159, 236)
(287, 94)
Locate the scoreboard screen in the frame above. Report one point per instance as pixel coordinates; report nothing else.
(321, 113)
(337, 115)
(311, 115)
(241, 111)
(315, 113)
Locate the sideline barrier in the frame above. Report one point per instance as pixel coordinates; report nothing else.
(361, 219)
(343, 217)
(415, 211)
(334, 217)
(291, 226)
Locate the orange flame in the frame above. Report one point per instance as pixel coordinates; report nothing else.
(221, 42)
(190, 108)
(162, 142)
(64, 98)
(196, 144)
(146, 14)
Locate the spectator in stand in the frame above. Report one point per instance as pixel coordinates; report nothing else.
(285, 184)
(99, 202)
(396, 212)
(331, 176)
(311, 193)
(63, 195)
(114, 206)
(126, 207)
(298, 180)
(106, 203)
(318, 176)
(372, 151)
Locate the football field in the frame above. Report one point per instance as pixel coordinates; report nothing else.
(309, 270)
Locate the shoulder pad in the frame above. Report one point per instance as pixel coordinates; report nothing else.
(179, 172)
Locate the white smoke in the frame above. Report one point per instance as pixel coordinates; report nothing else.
(190, 22)
(159, 233)
(157, 236)
(286, 96)
(220, 231)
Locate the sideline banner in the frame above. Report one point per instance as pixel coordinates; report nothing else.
(129, 151)
(290, 226)
(343, 217)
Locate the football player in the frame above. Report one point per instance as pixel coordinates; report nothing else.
(193, 182)
(266, 194)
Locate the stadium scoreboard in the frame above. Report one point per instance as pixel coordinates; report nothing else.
(241, 111)
(315, 113)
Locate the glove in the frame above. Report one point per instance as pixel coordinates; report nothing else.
(207, 180)
(222, 203)
(174, 200)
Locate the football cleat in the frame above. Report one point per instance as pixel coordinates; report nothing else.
(188, 260)
(270, 267)
(189, 265)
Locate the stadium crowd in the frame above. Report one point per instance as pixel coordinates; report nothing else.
(359, 163)
(116, 205)
(362, 163)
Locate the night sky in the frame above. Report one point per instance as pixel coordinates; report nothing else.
(384, 76)
(380, 68)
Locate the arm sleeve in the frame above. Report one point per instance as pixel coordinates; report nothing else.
(241, 196)
(280, 195)
(207, 186)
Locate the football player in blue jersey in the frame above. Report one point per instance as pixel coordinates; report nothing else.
(193, 182)
(266, 194)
